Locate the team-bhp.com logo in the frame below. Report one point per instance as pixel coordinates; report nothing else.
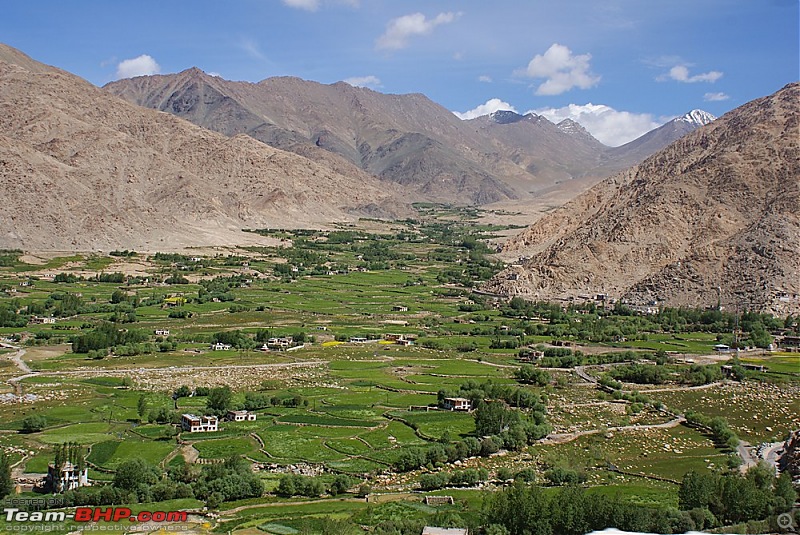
(95, 514)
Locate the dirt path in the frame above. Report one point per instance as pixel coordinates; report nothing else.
(26, 370)
(283, 504)
(562, 438)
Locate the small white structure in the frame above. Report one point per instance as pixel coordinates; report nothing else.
(240, 416)
(199, 424)
(69, 477)
(399, 308)
(162, 332)
(219, 346)
(358, 340)
(44, 320)
(282, 342)
(456, 404)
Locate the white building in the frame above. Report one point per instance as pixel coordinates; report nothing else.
(240, 416)
(70, 477)
(456, 404)
(199, 424)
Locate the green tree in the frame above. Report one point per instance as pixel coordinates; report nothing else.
(220, 399)
(6, 483)
(135, 472)
(141, 406)
(493, 417)
(33, 424)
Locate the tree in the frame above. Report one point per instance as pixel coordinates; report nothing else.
(220, 399)
(493, 417)
(33, 424)
(6, 483)
(527, 374)
(141, 406)
(135, 472)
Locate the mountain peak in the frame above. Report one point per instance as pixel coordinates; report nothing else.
(573, 128)
(505, 117)
(697, 118)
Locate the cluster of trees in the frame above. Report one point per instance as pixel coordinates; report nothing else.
(33, 423)
(477, 392)
(9, 257)
(9, 316)
(107, 335)
(136, 481)
(297, 485)
(530, 375)
(437, 454)
(459, 478)
(594, 323)
(643, 374)
(219, 400)
(697, 374)
(116, 277)
(732, 497)
(528, 510)
(716, 426)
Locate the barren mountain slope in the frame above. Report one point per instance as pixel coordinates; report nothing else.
(82, 169)
(718, 208)
(407, 139)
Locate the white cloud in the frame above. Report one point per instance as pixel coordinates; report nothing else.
(715, 97)
(399, 30)
(561, 70)
(308, 5)
(491, 106)
(484, 78)
(141, 66)
(364, 81)
(611, 127)
(680, 73)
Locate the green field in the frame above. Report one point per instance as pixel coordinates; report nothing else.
(332, 406)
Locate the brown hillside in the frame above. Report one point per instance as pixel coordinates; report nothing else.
(82, 169)
(404, 139)
(718, 208)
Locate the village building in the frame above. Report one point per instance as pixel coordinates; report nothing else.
(240, 416)
(532, 355)
(790, 343)
(68, 477)
(456, 404)
(162, 332)
(43, 320)
(358, 340)
(282, 342)
(199, 424)
(399, 308)
(219, 346)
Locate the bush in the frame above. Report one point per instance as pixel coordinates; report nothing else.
(33, 424)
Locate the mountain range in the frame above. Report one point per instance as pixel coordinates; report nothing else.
(81, 169)
(708, 212)
(712, 219)
(407, 140)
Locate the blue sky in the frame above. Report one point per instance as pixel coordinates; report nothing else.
(620, 67)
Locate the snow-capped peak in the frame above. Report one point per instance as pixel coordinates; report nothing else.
(697, 118)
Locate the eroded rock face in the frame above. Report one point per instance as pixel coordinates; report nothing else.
(81, 169)
(713, 217)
